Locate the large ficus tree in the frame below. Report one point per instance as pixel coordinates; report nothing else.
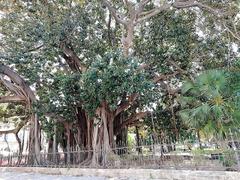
(67, 51)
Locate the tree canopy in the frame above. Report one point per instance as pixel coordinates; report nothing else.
(92, 69)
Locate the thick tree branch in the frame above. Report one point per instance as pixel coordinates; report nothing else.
(57, 117)
(144, 2)
(177, 4)
(114, 12)
(12, 88)
(35, 48)
(125, 105)
(72, 58)
(146, 15)
(133, 118)
(195, 3)
(16, 129)
(12, 99)
(19, 81)
(233, 32)
(180, 70)
(164, 77)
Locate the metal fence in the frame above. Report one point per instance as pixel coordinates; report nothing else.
(154, 156)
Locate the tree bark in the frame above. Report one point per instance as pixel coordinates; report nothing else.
(50, 149)
(105, 144)
(139, 148)
(19, 144)
(54, 143)
(96, 143)
(110, 131)
(127, 40)
(68, 147)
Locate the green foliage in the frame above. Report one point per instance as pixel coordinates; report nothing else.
(112, 78)
(169, 35)
(208, 102)
(32, 36)
(13, 113)
(61, 96)
(161, 122)
(33, 33)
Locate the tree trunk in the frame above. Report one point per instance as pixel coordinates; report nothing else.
(68, 143)
(199, 139)
(139, 148)
(5, 139)
(89, 139)
(23, 139)
(121, 137)
(106, 143)
(82, 127)
(103, 137)
(96, 143)
(34, 141)
(37, 139)
(110, 130)
(127, 39)
(19, 149)
(19, 144)
(55, 143)
(50, 150)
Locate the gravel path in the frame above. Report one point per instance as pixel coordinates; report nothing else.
(34, 176)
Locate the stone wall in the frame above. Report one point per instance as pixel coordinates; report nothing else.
(143, 174)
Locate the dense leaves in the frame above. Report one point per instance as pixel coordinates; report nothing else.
(208, 102)
(71, 53)
(112, 78)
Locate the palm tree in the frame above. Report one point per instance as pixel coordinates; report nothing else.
(207, 103)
